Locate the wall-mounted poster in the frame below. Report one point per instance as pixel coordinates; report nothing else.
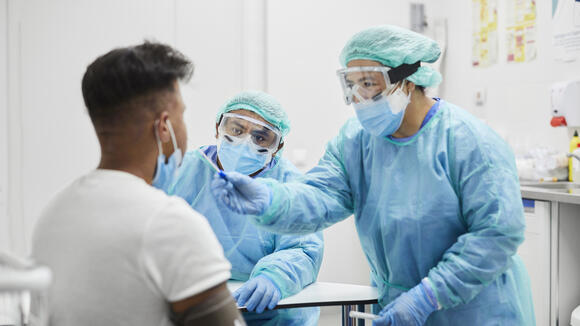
(566, 29)
(521, 30)
(485, 41)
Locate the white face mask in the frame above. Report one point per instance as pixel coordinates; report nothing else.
(399, 100)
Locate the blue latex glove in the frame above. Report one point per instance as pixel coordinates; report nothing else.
(257, 294)
(241, 193)
(410, 308)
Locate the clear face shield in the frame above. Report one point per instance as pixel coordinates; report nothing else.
(261, 137)
(371, 83)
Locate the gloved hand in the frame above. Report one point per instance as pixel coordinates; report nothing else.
(410, 308)
(257, 294)
(241, 193)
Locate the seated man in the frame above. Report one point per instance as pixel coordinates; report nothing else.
(250, 130)
(123, 252)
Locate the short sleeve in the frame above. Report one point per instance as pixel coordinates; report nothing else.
(181, 254)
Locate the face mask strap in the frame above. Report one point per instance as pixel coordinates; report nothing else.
(173, 139)
(159, 147)
(403, 71)
(405, 82)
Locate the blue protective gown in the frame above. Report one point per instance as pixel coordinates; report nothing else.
(291, 261)
(444, 204)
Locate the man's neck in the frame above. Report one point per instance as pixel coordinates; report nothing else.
(142, 167)
(414, 116)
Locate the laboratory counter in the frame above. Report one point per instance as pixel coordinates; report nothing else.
(562, 192)
(550, 249)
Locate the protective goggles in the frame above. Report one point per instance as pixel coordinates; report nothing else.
(236, 128)
(370, 83)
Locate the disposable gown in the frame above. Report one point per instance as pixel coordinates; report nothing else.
(291, 261)
(445, 204)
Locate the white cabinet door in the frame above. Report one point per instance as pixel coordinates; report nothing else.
(535, 252)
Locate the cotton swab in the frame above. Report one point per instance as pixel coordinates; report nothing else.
(363, 315)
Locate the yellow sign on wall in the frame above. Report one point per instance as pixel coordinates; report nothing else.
(521, 30)
(484, 51)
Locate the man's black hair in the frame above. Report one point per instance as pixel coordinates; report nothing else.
(122, 75)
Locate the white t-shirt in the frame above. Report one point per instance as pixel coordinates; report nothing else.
(120, 250)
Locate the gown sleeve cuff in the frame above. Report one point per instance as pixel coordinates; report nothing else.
(431, 292)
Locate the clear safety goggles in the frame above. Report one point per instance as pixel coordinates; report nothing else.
(371, 83)
(236, 128)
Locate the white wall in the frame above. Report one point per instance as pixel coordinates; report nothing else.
(50, 137)
(225, 40)
(209, 33)
(54, 42)
(4, 222)
(518, 94)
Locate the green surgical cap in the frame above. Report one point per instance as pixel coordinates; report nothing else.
(393, 46)
(260, 103)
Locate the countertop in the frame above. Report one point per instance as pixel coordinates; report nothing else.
(571, 196)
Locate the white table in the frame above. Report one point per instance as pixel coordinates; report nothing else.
(320, 294)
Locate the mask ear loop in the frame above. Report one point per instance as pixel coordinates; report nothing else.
(173, 139)
(159, 147)
(403, 84)
(176, 150)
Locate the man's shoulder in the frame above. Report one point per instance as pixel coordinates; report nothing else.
(111, 194)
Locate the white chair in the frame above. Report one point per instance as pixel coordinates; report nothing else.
(23, 285)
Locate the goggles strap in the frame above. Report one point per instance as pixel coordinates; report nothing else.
(403, 71)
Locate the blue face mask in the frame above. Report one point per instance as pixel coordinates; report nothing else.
(383, 117)
(166, 172)
(241, 158)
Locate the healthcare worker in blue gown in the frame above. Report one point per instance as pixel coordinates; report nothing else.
(250, 132)
(434, 192)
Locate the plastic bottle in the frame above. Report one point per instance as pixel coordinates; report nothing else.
(576, 165)
(574, 142)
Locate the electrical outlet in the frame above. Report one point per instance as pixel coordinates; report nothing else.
(480, 97)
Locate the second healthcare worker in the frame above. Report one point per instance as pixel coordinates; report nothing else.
(251, 128)
(434, 192)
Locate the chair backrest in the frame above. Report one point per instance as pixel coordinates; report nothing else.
(23, 285)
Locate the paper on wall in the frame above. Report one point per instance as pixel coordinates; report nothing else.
(521, 30)
(566, 29)
(485, 42)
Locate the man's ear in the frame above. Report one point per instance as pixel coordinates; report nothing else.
(162, 128)
(279, 148)
(216, 130)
